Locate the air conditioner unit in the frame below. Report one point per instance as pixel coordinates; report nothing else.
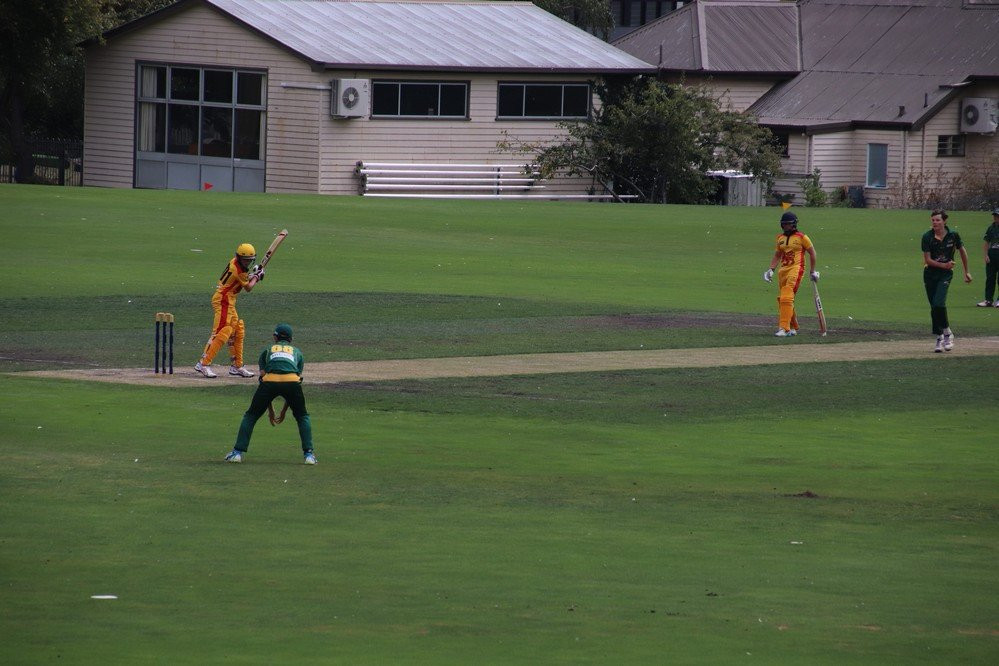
(979, 115)
(350, 98)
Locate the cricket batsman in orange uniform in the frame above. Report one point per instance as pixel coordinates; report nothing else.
(228, 327)
(790, 256)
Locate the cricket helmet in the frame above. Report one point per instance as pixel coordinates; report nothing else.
(789, 221)
(246, 250)
(282, 332)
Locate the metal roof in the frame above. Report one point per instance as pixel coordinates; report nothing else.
(721, 36)
(874, 63)
(424, 35)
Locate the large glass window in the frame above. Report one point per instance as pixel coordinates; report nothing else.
(543, 100)
(410, 99)
(877, 165)
(200, 111)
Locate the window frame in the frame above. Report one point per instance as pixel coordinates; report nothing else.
(440, 83)
(146, 107)
(563, 84)
(951, 145)
(870, 181)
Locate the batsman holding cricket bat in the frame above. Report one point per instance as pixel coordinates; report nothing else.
(227, 327)
(792, 245)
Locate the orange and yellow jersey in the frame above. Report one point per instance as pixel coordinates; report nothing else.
(232, 281)
(792, 252)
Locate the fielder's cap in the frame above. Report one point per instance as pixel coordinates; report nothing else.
(788, 217)
(282, 332)
(995, 211)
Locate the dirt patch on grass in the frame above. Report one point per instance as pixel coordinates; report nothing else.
(528, 364)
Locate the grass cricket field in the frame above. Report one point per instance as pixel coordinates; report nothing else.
(775, 510)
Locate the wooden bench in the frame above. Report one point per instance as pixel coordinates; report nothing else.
(456, 181)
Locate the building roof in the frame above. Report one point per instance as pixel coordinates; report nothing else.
(721, 36)
(420, 35)
(863, 63)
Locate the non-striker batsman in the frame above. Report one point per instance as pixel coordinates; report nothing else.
(791, 248)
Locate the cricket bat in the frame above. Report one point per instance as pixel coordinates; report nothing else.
(823, 329)
(270, 252)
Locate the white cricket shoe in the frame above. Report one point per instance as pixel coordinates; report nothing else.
(234, 456)
(206, 370)
(781, 333)
(940, 344)
(310, 458)
(793, 331)
(985, 304)
(241, 371)
(948, 341)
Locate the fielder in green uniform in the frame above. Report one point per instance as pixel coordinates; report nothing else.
(939, 245)
(991, 250)
(281, 367)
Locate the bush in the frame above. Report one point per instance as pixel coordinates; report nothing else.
(976, 187)
(810, 185)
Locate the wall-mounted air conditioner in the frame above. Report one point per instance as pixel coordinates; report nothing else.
(979, 115)
(350, 98)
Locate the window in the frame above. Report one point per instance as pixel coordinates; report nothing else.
(877, 165)
(782, 142)
(419, 99)
(950, 146)
(543, 100)
(191, 111)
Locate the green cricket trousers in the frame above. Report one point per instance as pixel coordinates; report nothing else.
(937, 282)
(264, 395)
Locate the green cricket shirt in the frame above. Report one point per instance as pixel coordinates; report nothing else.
(281, 358)
(941, 250)
(992, 237)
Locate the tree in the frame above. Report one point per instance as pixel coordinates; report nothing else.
(592, 15)
(41, 67)
(658, 141)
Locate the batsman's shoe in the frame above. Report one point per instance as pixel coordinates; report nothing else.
(997, 304)
(781, 333)
(206, 370)
(310, 458)
(234, 456)
(793, 331)
(241, 371)
(948, 341)
(940, 344)
(985, 304)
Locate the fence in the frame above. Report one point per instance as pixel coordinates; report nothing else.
(57, 162)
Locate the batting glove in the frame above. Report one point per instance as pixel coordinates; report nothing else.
(815, 276)
(769, 275)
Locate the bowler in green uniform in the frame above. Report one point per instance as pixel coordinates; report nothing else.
(939, 245)
(281, 367)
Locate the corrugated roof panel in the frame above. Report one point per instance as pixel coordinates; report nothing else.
(470, 36)
(671, 34)
(755, 38)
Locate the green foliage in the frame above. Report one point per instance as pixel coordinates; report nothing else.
(658, 140)
(592, 15)
(41, 66)
(811, 185)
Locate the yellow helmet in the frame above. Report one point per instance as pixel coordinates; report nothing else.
(246, 250)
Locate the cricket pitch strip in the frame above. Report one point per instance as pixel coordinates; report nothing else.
(342, 372)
